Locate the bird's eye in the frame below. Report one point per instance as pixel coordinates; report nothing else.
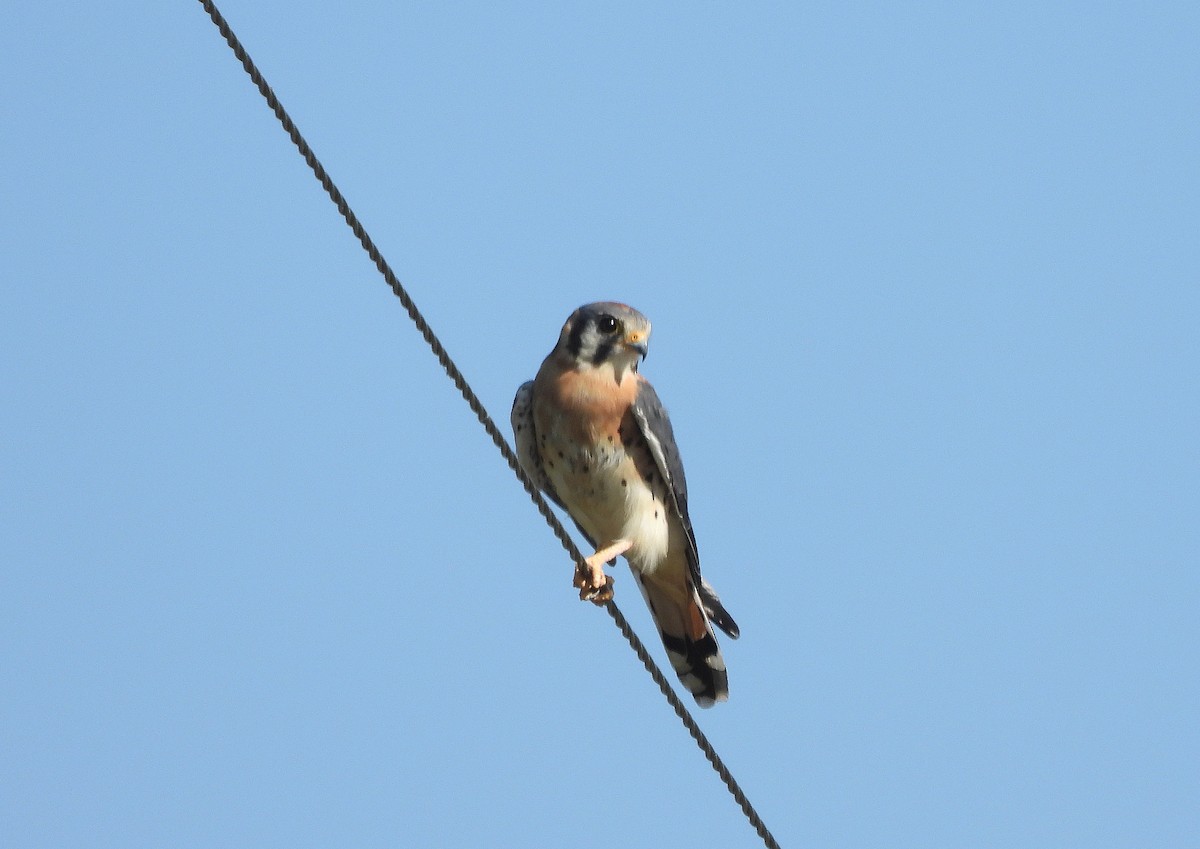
(607, 324)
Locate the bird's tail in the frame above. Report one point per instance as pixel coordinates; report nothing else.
(717, 614)
(688, 638)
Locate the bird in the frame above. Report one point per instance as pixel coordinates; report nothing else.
(593, 436)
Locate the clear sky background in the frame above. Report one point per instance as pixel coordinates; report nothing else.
(925, 281)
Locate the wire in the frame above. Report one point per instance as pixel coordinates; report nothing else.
(481, 413)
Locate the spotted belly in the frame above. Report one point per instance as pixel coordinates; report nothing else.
(606, 495)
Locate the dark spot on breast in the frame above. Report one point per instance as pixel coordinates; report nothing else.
(655, 514)
(585, 469)
(550, 463)
(624, 482)
(519, 428)
(560, 455)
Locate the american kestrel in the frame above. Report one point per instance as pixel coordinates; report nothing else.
(592, 434)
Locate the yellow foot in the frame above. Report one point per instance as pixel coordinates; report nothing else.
(590, 580)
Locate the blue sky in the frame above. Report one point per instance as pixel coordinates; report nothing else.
(925, 281)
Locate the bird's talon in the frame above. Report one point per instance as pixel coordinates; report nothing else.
(593, 584)
(598, 595)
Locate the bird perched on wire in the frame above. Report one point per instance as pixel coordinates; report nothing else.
(594, 437)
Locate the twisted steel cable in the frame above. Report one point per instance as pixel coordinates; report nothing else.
(483, 416)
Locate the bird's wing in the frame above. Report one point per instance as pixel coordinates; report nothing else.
(525, 435)
(655, 425)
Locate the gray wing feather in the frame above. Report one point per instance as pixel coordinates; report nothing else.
(651, 417)
(526, 442)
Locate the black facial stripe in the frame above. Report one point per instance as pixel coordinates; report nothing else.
(575, 338)
(602, 352)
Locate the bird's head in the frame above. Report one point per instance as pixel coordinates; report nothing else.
(606, 334)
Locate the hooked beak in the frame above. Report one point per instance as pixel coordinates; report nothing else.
(638, 341)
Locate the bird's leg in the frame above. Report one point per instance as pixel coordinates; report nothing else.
(590, 580)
